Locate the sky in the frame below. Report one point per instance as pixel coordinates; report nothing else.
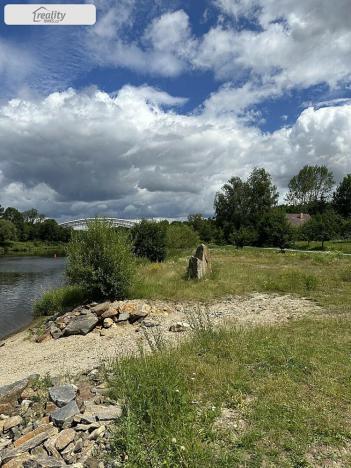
(151, 110)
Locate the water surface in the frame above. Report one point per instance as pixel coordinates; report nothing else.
(22, 281)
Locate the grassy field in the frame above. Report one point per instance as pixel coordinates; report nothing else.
(270, 396)
(343, 246)
(325, 278)
(28, 248)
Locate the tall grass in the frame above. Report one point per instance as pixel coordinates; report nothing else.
(59, 299)
(286, 390)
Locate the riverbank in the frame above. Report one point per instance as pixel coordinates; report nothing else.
(33, 248)
(22, 356)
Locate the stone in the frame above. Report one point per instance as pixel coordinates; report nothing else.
(199, 264)
(108, 322)
(49, 445)
(44, 337)
(99, 432)
(104, 413)
(47, 429)
(46, 462)
(11, 392)
(179, 327)
(87, 427)
(64, 438)
(18, 461)
(81, 325)
(99, 309)
(6, 408)
(28, 393)
(56, 332)
(65, 414)
(109, 313)
(39, 452)
(12, 422)
(123, 317)
(50, 407)
(27, 444)
(63, 394)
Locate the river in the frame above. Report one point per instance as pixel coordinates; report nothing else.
(22, 281)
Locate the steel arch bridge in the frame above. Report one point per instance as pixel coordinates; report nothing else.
(82, 224)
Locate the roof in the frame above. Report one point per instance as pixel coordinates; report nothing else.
(298, 219)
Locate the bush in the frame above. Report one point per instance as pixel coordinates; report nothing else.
(100, 260)
(181, 236)
(149, 240)
(59, 299)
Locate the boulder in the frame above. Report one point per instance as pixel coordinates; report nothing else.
(199, 264)
(103, 413)
(123, 317)
(111, 312)
(12, 422)
(99, 309)
(65, 414)
(81, 325)
(63, 394)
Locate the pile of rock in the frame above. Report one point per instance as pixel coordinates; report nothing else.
(64, 425)
(86, 318)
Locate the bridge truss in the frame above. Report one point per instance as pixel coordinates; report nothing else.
(82, 224)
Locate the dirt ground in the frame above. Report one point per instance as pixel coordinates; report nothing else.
(20, 356)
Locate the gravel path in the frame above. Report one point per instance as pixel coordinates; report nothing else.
(20, 356)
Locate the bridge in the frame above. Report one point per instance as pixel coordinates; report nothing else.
(82, 224)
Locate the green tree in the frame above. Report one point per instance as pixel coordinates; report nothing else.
(100, 260)
(275, 230)
(181, 236)
(243, 236)
(323, 227)
(2, 209)
(311, 186)
(13, 215)
(342, 197)
(206, 228)
(243, 203)
(149, 240)
(32, 216)
(7, 231)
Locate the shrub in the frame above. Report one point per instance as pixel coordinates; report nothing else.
(149, 240)
(100, 260)
(57, 300)
(181, 236)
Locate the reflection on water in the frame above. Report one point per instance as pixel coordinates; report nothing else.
(22, 281)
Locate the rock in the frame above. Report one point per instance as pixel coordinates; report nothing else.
(123, 317)
(39, 452)
(63, 394)
(179, 327)
(104, 413)
(46, 462)
(49, 445)
(81, 325)
(44, 337)
(99, 309)
(199, 264)
(65, 414)
(50, 407)
(18, 461)
(6, 408)
(8, 393)
(87, 427)
(2, 343)
(64, 438)
(108, 322)
(12, 422)
(56, 332)
(109, 313)
(26, 443)
(99, 432)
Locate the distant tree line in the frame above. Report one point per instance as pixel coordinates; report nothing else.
(247, 211)
(30, 226)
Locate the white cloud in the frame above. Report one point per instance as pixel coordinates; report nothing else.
(78, 154)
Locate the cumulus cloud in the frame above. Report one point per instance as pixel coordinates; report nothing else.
(86, 153)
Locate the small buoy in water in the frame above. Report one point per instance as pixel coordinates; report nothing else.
(55, 255)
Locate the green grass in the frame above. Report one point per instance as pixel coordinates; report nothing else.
(343, 246)
(35, 248)
(287, 390)
(59, 299)
(322, 277)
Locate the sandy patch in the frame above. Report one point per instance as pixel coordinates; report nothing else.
(21, 357)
